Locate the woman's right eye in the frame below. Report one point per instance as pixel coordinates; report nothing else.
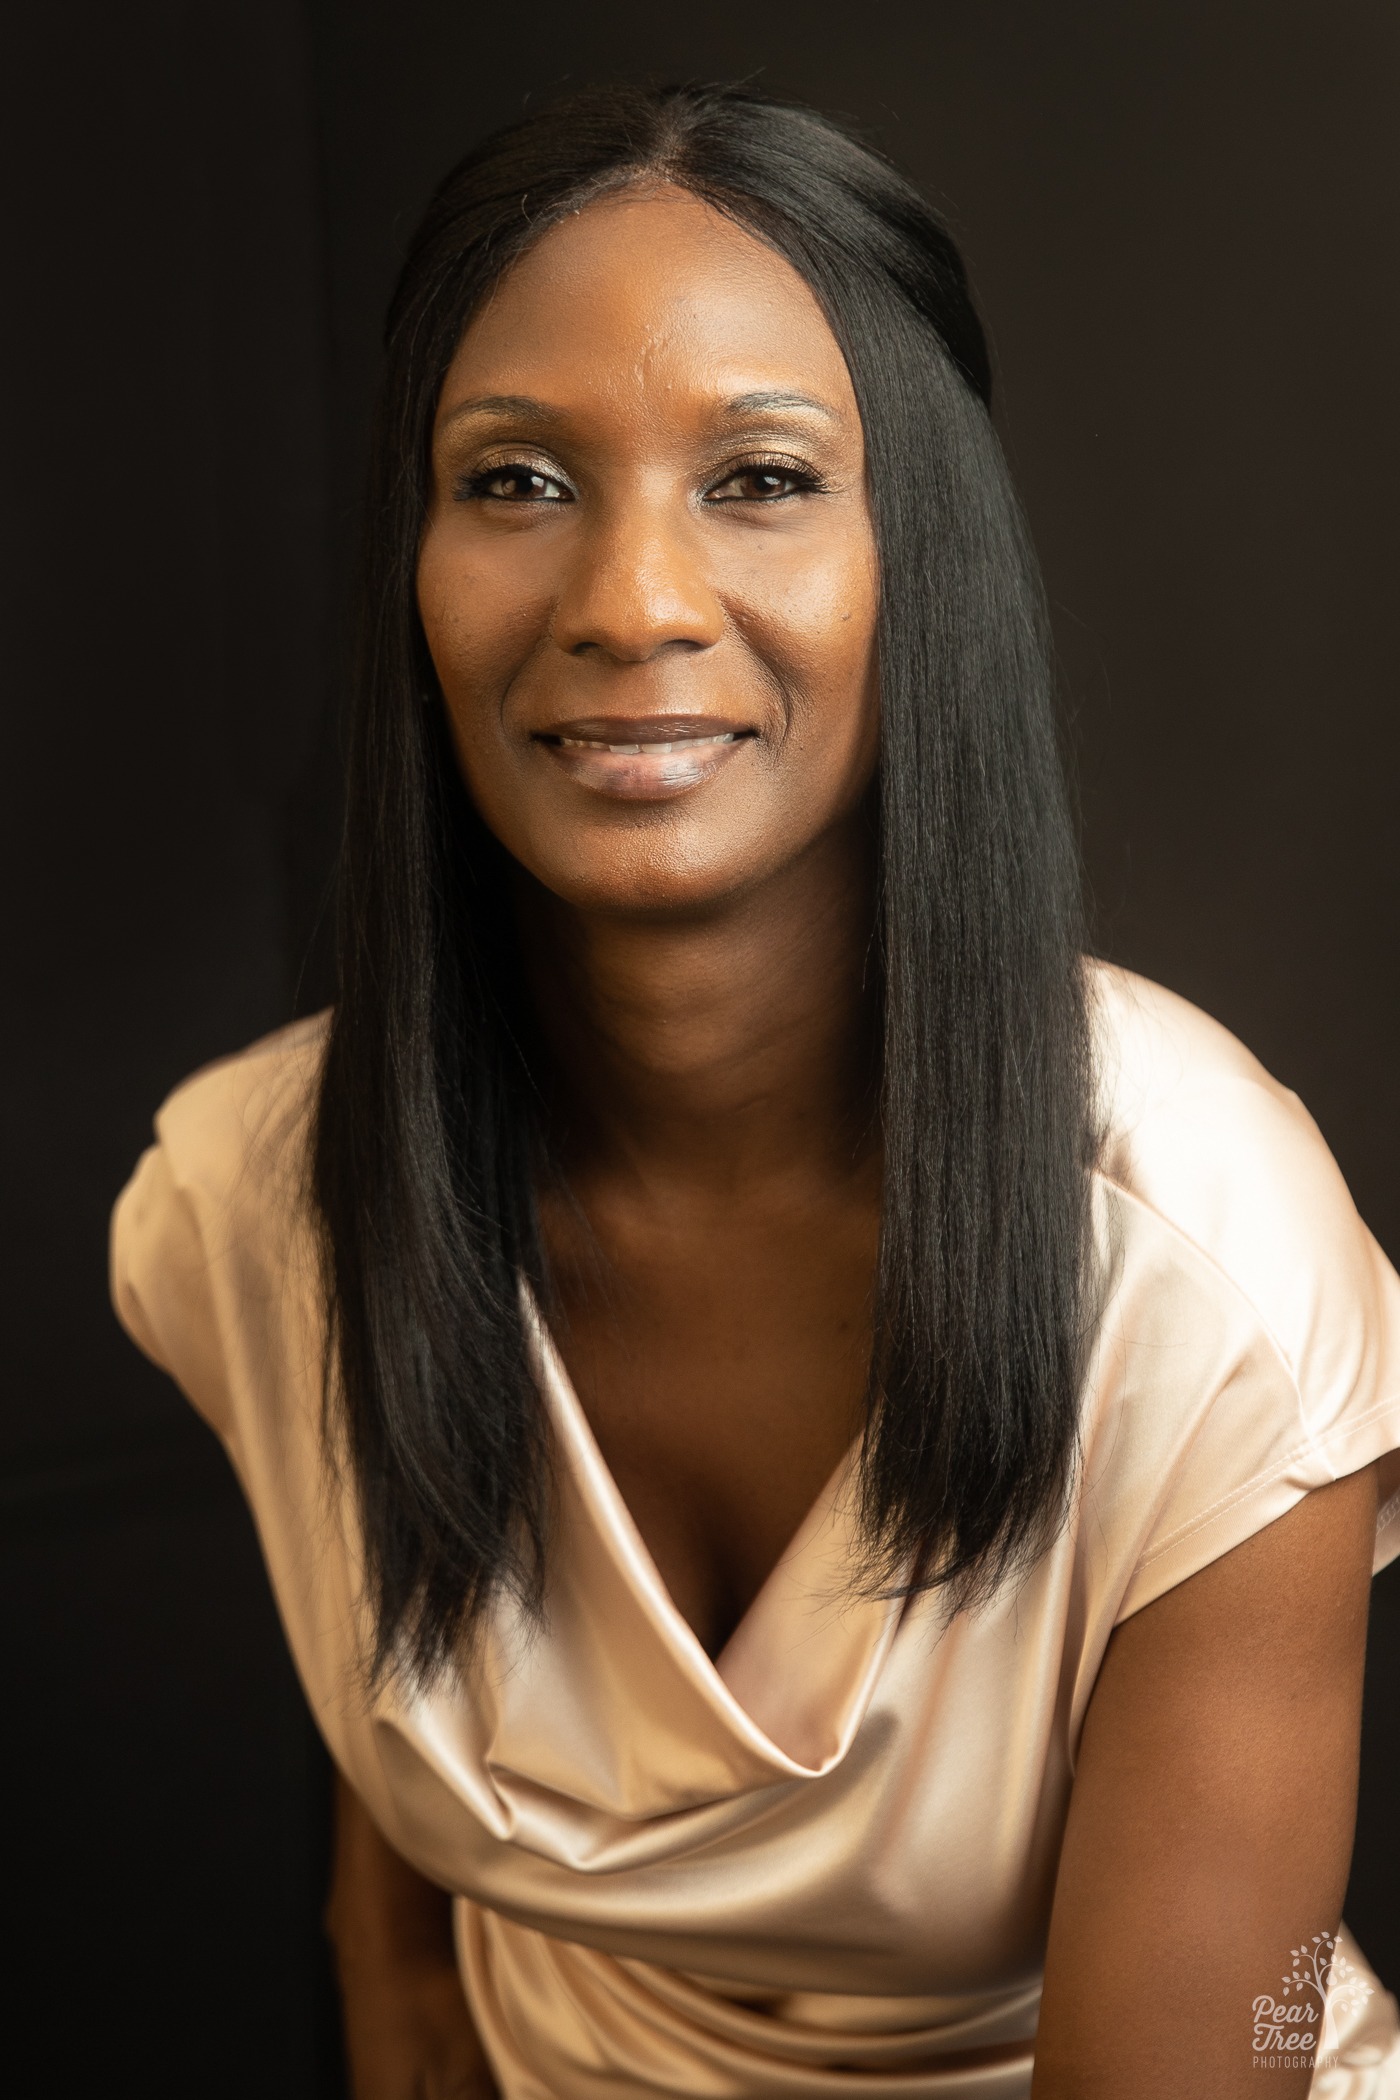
(517, 482)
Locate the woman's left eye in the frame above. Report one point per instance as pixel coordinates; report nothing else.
(761, 484)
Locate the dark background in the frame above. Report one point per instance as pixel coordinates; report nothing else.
(1181, 220)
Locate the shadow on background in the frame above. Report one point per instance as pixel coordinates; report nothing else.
(1181, 221)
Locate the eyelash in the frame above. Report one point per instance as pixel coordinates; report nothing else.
(808, 483)
(477, 487)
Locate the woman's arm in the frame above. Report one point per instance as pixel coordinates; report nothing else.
(408, 2034)
(1211, 1823)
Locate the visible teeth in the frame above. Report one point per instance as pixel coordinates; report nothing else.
(684, 743)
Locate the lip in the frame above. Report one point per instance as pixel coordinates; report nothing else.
(643, 758)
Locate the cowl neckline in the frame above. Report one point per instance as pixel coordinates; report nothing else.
(610, 1710)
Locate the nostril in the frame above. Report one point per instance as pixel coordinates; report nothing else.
(642, 653)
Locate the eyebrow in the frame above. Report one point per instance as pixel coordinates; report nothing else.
(756, 403)
(523, 405)
(529, 409)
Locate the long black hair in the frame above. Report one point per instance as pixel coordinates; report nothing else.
(426, 1132)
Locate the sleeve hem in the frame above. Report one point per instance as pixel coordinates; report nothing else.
(1271, 1494)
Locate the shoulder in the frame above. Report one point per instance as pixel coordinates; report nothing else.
(210, 1243)
(1249, 1346)
(245, 1118)
(1199, 1136)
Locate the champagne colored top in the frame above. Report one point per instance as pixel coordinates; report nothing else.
(823, 1862)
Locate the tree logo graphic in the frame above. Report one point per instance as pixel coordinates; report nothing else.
(1322, 1967)
(1319, 1990)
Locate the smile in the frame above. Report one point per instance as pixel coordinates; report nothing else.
(680, 743)
(643, 760)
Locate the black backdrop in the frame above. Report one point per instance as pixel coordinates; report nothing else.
(1182, 224)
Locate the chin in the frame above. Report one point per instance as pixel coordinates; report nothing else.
(647, 887)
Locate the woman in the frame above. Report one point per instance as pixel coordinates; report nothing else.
(824, 1392)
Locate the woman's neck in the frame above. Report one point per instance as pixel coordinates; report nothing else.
(716, 1049)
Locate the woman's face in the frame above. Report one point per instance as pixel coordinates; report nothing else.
(648, 579)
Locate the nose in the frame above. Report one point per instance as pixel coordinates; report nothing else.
(637, 587)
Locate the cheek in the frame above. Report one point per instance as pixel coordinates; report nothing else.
(481, 620)
(479, 632)
(818, 633)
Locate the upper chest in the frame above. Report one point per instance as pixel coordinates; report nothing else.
(719, 1352)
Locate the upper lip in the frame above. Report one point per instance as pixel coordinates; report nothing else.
(644, 729)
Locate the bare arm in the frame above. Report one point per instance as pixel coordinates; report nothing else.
(408, 2034)
(1211, 1824)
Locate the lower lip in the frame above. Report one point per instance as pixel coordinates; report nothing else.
(642, 775)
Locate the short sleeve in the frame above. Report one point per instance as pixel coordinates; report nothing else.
(210, 1270)
(1215, 1436)
(1249, 1349)
(161, 1285)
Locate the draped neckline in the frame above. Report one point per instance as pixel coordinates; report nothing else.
(794, 1677)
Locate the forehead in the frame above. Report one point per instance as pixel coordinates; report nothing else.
(648, 292)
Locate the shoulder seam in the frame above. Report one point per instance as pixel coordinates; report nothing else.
(1203, 1081)
(1204, 1254)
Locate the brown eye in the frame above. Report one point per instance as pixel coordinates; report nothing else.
(517, 484)
(761, 485)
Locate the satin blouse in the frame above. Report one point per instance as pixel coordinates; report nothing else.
(823, 1862)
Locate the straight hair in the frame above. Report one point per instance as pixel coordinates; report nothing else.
(427, 1131)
